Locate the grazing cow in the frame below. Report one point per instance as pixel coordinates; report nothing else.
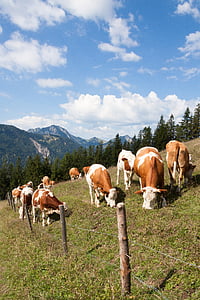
(74, 173)
(178, 159)
(99, 181)
(149, 167)
(126, 163)
(16, 193)
(45, 201)
(85, 170)
(46, 182)
(26, 198)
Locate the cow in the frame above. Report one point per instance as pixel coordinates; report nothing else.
(26, 198)
(85, 169)
(46, 182)
(45, 201)
(16, 193)
(178, 159)
(149, 167)
(125, 163)
(74, 173)
(99, 181)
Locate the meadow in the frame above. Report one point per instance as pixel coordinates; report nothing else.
(164, 247)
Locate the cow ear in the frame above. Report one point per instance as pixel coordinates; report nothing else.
(162, 190)
(138, 192)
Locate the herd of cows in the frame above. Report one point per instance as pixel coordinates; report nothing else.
(147, 164)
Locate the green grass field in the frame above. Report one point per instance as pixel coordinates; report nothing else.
(163, 245)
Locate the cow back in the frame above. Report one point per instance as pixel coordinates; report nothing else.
(149, 167)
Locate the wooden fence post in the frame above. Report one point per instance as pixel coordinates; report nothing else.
(63, 227)
(123, 249)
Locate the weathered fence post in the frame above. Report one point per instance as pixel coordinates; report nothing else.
(123, 249)
(28, 216)
(63, 227)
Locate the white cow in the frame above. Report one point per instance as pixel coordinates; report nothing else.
(99, 181)
(126, 164)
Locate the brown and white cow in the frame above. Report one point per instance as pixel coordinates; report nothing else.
(125, 163)
(149, 167)
(85, 169)
(46, 181)
(45, 201)
(16, 193)
(74, 173)
(178, 160)
(26, 198)
(99, 181)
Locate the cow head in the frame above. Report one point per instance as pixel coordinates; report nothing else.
(111, 197)
(188, 173)
(150, 196)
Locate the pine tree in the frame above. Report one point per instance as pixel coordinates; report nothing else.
(196, 122)
(160, 137)
(171, 128)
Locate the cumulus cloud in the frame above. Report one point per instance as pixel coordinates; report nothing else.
(87, 9)
(29, 15)
(53, 83)
(18, 55)
(119, 32)
(189, 8)
(120, 53)
(135, 108)
(192, 45)
(104, 117)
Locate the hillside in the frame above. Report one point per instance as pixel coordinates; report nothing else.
(163, 243)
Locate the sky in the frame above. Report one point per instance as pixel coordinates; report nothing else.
(98, 68)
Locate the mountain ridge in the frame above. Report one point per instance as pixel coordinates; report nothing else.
(52, 142)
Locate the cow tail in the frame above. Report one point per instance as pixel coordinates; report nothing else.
(174, 170)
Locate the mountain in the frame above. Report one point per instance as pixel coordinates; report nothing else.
(62, 132)
(53, 142)
(16, 143)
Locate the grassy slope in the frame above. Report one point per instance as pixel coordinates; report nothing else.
(32, 265)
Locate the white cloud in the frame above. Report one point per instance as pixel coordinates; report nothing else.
(192, 45)
(29, 15)
(90, 115)
(18, 55)
(53, 82)
(120, 53)
(119, 32)
(126, 110)
(189, 8)
(87, 9)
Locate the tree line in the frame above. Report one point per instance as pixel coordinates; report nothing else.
(13, 175)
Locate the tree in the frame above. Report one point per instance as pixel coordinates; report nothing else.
(160, 138)
(171, 128)
(186, 126)
(146, 137)
(196, 122)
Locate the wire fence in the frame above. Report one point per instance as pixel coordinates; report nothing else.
(131, 242)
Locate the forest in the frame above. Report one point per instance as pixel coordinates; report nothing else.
(13, 175)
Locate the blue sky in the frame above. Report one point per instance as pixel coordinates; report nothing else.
(98, 68)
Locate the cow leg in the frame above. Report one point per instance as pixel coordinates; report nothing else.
(91, 194)
(43, 218)
(34, 213)
(97, 196)
(126, 180)
(118, 176)
(130, 178)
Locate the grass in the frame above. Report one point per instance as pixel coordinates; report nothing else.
(163, 245)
